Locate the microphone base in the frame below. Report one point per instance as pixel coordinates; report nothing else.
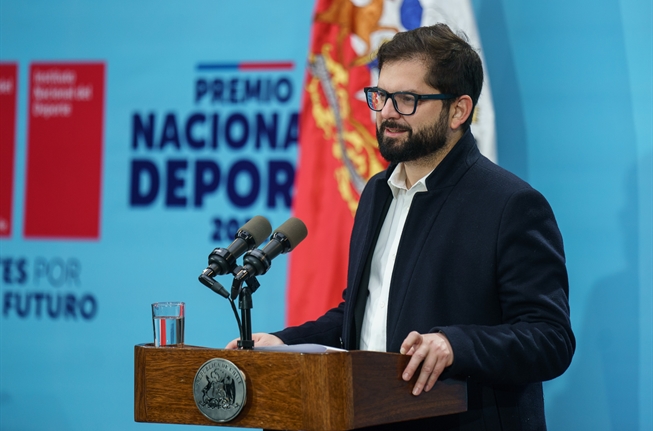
(246, 344)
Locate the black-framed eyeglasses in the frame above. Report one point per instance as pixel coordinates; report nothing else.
(404, 102)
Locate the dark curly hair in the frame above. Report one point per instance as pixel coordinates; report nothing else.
(454, 67)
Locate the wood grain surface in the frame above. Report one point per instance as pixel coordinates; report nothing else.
(290, 391)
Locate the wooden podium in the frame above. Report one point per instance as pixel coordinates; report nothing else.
(291, 391)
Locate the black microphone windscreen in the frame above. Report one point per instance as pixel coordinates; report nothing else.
(294, 230)
(259, 227)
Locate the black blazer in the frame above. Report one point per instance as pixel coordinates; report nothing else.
(481, 260)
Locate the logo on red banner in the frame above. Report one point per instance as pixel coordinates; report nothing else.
(64, 151)
(8, 92)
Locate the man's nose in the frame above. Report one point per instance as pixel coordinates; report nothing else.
(389, 110)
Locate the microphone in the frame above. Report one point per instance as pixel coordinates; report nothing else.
(283, 240)
(251, 235)
(223, 260)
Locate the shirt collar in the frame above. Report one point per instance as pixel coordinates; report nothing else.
(397, 182)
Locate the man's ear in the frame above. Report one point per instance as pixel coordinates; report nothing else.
(459, 111)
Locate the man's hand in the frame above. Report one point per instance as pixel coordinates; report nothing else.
(260, 339)
(433, 350)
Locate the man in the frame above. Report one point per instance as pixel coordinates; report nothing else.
(453, 260)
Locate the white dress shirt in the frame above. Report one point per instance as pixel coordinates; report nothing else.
(373, 331)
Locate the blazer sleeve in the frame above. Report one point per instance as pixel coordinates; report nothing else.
(326, 330)
(534, 342)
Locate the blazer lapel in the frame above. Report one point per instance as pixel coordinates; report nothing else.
(371, 218)
(421, 224)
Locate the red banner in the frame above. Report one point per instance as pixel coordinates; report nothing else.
(338, 154)
(64, 156)
(8, 91)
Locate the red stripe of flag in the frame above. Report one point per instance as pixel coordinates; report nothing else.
(247, 66)
(325, 192)
(287, 65)
(163, 332)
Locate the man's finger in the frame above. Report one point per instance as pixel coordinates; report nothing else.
(428, 367)
(412, 342)
(416, 359)
(431, 381)
(233, 344)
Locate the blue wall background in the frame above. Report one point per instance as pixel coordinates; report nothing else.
(571, 84)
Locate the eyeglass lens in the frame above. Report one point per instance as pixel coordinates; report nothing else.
(404, 103)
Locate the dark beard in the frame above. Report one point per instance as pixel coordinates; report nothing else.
(417, 145)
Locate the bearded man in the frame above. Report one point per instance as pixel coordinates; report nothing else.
(453, 260)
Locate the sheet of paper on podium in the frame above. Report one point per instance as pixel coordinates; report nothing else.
(300, 348)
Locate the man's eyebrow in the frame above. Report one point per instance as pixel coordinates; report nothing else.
(401, 91)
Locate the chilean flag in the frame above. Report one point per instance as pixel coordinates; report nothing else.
(338, 148)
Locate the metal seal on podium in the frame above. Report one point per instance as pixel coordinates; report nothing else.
(219, 389)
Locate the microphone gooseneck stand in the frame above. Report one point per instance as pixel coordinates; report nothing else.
(245, 304)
